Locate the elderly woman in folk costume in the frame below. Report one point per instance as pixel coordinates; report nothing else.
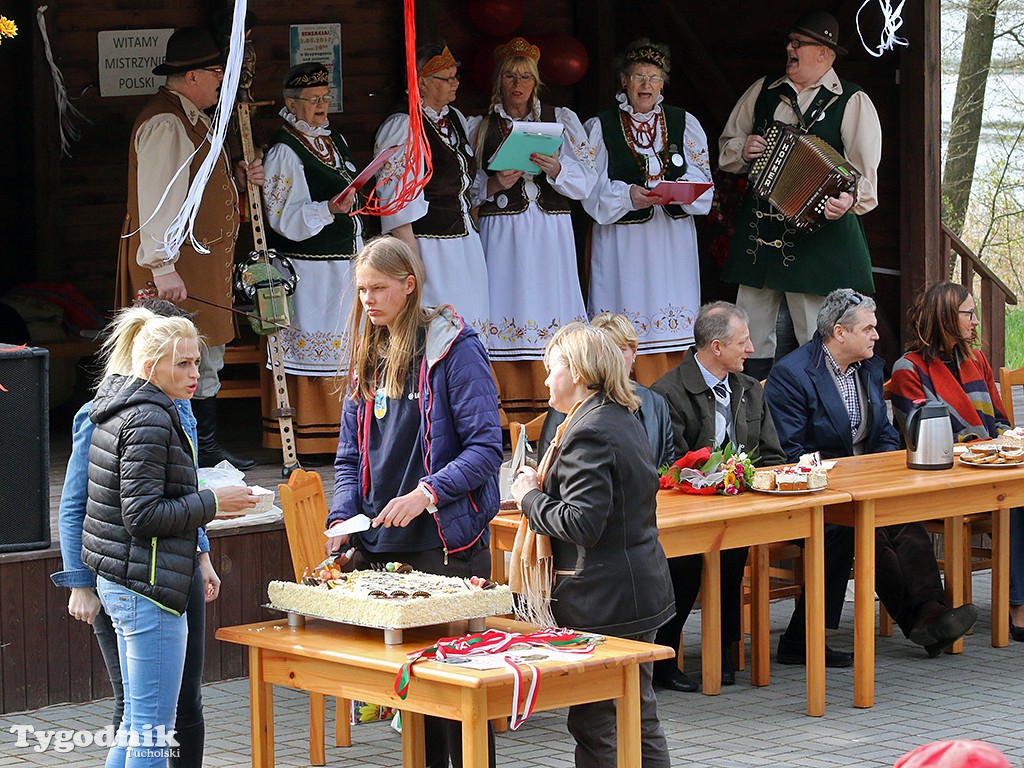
(526, 228)
(590, 509)
(644, 253)
(307, 166)
(436, 223)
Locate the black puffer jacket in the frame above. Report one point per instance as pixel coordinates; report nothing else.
(144, 504)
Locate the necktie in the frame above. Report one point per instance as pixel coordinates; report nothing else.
(722, 414)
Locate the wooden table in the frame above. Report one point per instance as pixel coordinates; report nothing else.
(352, 662)
(689, 524)
(885, 492)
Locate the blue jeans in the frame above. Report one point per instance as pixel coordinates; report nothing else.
(1017, 556)
(151, 649)
(189, 726)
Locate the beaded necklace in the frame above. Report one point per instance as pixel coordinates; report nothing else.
(644, 132)
(638, 137)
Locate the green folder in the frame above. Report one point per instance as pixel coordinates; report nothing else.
(514, 152)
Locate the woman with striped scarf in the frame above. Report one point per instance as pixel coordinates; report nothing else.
(941, 364)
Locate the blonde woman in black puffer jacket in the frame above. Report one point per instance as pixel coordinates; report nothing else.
(142, 517)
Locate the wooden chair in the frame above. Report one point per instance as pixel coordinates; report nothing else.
(305, 513)
(1008, 379)
(783, 561)
(241, 375)
(976, 557)
(533, 428)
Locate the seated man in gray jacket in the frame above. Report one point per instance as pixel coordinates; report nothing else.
(711, 402)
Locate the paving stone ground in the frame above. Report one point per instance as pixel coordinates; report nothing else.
(976, 695)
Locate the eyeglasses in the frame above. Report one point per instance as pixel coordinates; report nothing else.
(643, 79)
(969, 312)
(450, 80)
(215, 70)
(855, 300)
(796, 42)
(511, 77)
(315, 100)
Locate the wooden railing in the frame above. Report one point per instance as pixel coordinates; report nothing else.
(995, 294)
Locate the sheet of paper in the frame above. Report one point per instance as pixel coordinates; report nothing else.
(497, 660)
(545, 129)
(354, 524)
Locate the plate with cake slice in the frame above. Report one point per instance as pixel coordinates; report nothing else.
(809, 477)
(792, 493)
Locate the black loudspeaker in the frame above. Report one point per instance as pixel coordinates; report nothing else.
(25, 432)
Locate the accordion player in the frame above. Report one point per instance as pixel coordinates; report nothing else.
(797, 173)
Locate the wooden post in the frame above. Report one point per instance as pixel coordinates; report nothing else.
(920, 188)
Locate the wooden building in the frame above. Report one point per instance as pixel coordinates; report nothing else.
(62, 215)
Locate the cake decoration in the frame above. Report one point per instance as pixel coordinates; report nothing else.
(396, 597)
(807, 475)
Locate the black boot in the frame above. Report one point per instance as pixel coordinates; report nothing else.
(210, 451)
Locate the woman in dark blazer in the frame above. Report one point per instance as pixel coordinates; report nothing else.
(595, 499)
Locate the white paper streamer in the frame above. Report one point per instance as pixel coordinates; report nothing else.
(184, 222)
(891, 23)
(66, 111)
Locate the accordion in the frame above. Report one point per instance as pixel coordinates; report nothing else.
(797, 173)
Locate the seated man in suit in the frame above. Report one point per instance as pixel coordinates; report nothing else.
(711, 402)
(827, 396)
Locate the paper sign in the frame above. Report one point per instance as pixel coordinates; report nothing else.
(127, 58)
(319, 43)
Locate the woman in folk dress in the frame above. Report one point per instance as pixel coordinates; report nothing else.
(644, 254)
(526, 230)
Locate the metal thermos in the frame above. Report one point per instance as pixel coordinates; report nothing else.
(929, 436)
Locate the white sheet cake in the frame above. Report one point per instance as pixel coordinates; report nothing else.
(392, 600)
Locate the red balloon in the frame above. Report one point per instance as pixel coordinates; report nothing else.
(563, 59)
(498, 18)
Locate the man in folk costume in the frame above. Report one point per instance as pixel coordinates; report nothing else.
(766, 256)
(170, 128)
(307, 166)
(436, 223)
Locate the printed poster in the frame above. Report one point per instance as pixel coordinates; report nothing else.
(319, 43)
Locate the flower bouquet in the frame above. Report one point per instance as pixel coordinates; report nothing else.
(727, 470)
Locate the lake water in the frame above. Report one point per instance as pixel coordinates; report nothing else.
(1004, 96)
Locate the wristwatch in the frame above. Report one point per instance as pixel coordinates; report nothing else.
(431, 506)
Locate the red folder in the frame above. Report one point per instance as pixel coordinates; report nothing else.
(681, 192)
(367, 173)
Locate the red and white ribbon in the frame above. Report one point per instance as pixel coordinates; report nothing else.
(492, 642)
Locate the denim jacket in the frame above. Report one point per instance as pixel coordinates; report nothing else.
(76, 491)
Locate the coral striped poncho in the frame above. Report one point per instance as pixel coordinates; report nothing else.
(971, 395)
